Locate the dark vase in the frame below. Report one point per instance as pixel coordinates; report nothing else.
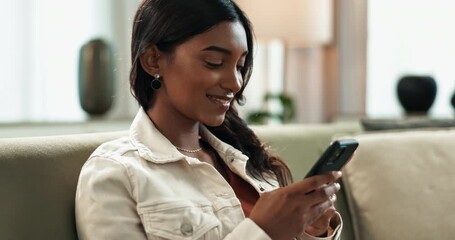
(452, 101)
(96, 77)
(416, 94)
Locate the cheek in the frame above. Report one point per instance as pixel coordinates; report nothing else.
(189, 79)
(184, 85)
(198, 77)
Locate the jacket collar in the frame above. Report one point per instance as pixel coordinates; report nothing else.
(153, 146)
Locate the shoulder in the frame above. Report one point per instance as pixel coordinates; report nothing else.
(114, 148)
(113, 157)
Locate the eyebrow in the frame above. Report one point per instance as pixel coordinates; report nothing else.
(222, 50)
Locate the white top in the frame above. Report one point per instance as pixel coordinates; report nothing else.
(142, 187)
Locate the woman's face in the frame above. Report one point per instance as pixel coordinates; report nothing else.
(203, 74)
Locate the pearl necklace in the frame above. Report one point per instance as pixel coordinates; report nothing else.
(190, 150)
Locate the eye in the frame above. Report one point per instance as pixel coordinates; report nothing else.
(214, 63)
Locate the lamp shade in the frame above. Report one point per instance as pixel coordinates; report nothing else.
(297, 22)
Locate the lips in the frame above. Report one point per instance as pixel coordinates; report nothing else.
(221, 101)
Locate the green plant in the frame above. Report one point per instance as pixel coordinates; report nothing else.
(287, 113)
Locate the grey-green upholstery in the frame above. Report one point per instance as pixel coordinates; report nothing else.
(38, 178)
(38, 175)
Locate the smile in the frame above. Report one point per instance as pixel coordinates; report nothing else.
(221, 101)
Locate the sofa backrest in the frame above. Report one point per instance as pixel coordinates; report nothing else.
(38, 175)
(400, 185)
(38, 178)
(300, 145)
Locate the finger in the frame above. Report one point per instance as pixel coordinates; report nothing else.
(317, 181)
(332, 207)
(323, 221)
(321, 225)
(328, 214)
(312, 183)
(325, 193)
(319, 209)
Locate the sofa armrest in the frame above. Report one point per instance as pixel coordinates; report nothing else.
(399, 185)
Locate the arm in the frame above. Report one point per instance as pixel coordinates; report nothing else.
(105, 203)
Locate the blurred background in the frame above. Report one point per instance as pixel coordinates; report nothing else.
(316, 61)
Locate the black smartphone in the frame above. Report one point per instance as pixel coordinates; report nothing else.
(334, 157)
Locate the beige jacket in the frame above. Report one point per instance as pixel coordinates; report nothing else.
(141, 187)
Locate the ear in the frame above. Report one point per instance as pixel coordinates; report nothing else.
(149, 60)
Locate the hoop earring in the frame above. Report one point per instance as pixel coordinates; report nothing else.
(156, 83)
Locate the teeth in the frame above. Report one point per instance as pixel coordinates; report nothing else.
(220, 100)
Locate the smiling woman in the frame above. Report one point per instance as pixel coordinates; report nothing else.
(211, 76)
(191, 168)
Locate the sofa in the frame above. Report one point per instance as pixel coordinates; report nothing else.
(397, 185)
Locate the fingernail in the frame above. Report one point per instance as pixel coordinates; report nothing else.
(338, 174)
(337, 186)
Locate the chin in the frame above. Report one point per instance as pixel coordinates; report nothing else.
(214, 122)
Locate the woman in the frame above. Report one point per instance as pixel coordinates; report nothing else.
(191, 168)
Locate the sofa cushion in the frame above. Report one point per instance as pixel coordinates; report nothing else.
(401, 185)
(38, 178)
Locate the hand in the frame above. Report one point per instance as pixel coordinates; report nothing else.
(320, 228)
(286, 212)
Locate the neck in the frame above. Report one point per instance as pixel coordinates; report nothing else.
(182, 133)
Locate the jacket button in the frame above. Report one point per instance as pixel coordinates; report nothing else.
(186, 229)
(261, 187)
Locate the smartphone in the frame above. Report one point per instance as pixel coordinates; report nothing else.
(334, 157)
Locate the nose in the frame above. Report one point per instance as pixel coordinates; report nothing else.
(233, 82)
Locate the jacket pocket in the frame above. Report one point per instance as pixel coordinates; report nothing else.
(179, 220)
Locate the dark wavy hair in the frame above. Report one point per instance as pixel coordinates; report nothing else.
(168, 23)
